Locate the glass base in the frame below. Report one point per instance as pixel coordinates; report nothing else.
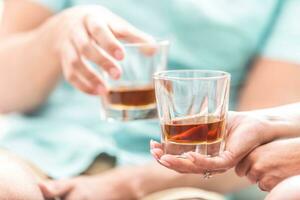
(131, 114)
(209, 149)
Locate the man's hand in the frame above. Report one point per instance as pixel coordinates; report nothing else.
(111, 185)
(271, 163)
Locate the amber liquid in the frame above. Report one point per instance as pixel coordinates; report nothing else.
(131, 97)
(200, 130)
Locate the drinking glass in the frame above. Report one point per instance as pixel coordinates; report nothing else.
(132, 97)
(192, 107)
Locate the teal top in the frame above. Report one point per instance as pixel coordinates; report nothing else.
(64, 136)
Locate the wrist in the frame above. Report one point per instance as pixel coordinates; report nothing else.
(263, 124)
(277, 127)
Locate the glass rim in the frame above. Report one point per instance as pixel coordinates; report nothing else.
(222, 75)
(163, 42)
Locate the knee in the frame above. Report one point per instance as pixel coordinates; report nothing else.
(288, 189)
(16, 182)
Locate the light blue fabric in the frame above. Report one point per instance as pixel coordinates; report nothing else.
(284, 42)
(66, 135)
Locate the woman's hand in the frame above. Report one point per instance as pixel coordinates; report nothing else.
(271, 163)
(89, 33)
(245, 132)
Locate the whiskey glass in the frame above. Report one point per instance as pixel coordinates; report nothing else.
(192, 107)
(132, 97)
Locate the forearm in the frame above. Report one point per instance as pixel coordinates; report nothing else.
(270, 83)
(28, 72)
(280, 122)
(153, 177)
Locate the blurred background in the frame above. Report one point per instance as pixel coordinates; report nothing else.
(55, 124)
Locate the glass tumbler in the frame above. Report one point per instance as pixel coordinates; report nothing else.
(132, 97)
(192, 107)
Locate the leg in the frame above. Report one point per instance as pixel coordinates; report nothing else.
(18, 182)
(288, 189)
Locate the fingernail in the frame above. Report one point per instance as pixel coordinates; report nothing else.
(115, 73)
(118, 54)
(165, 163)
(151, 143)
(154, 155)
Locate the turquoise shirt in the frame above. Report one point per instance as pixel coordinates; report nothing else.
(64, 136)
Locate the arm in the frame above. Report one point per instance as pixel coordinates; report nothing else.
(270, 133)
(17, 180)
(282, 83)
(256, 128)
(133, 183)
(28, 71)
(270, 83)
(143, 179)
(62, 43)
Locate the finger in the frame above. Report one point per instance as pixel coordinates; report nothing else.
(79, 74)
(157, 153)
(156, 149)
(154, 144)
(252, 176)
(267, 184)
(47, 193)
(126, 32)
(87, 47)
(262, 186)
(87, 80)
(79, 82)
(52, 189)
(83, 85)
(243, 167)
(181, 165)
(103, 36)
(224, 161)
(255, 172)
(212, 172)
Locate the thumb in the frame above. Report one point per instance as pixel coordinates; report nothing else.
(52, 189)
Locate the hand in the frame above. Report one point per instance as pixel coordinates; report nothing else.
(111, 185)
(90, 33)
(245, 132)
(271, 163)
